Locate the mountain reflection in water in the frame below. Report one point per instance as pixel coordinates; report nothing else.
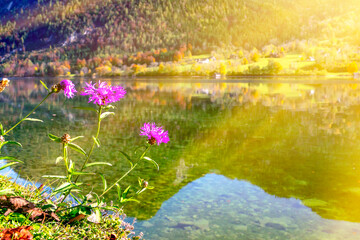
(239, 210)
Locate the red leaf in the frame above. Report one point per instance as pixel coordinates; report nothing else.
(77, 218)
(20, 233)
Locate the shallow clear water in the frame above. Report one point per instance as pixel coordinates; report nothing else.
(261, 160)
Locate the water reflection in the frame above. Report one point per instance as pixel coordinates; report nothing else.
(239, 210)
(294, 141)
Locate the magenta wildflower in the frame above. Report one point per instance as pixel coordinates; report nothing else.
(68, 87)
(155, 134)
(104, 93)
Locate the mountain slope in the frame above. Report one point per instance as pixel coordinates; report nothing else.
(133, 25)
(48, 37)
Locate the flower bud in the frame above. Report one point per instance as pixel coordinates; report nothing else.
(145, 184)
(56, 88)
(152, 141)
(2, 139)
(65, 138)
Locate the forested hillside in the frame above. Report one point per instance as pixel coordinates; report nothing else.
(82, 29)
(132, 25)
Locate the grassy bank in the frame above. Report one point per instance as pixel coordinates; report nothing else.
(111, 226)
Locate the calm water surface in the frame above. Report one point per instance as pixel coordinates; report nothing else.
(245, 161)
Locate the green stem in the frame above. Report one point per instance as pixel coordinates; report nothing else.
(91, 150)
(118, 180)
(66, 161)
(67, 168)
(28, 114)
(132, 168)
(93, 146)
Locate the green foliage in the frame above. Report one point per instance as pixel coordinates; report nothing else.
(273, 67)
(352, 67)
(110, 224)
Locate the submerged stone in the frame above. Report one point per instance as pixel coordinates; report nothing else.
(241, 228)
(147, 224)
(276, 226)
(185, 226)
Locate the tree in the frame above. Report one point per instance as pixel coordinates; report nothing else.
(352, 68)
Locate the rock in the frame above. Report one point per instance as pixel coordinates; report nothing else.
(276, 226)
(203, 224)
(184, 226)
(147, 224)
(240, 228)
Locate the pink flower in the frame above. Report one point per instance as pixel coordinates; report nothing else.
(104, 93)
(155, 134)
(68, 87)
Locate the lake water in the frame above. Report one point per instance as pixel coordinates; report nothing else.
(247, 160)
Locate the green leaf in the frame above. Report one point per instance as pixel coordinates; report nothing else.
(6, 191)
(2, 132)
(140, 181)
(13, 142)
(44, 85)
(98, 201)
(54, 138)
(33, 120)
(153, 162)
(81, 173)
(109, 107)
(86, 108)
(71, 166)
(85, 210)
(127, 157)
(140, 191)
(97, 163)
(11, 159)
(74, 212)
(13, 162)
(104, 181)
(77, 148)
(50, 206)
(54, 176)
(58, 159)
(130, 200)
(136, 149)
(118, 188)
(17, 217)
(76, 199)
(125, 193)
(96, 140)
(8, 165)
(73, 139)
(62, 205)
(105, 114)
(65, 187)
